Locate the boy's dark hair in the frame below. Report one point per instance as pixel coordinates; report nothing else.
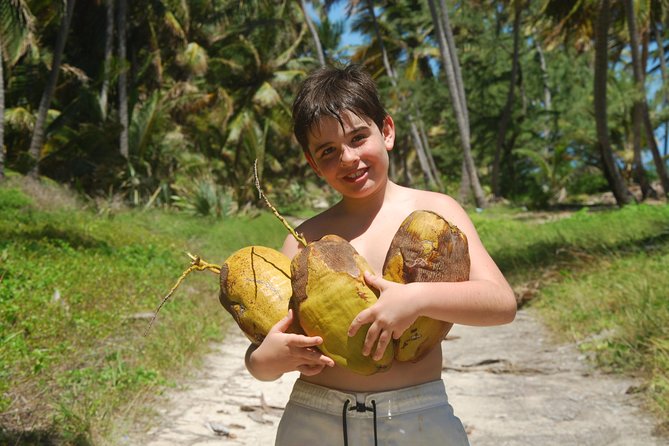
(329, 91)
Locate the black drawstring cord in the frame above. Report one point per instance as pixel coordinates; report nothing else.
(359, 407)
(343, 417)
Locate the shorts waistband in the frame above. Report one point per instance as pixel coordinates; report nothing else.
(388, 403)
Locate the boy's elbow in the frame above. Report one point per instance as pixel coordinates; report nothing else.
(508, 313)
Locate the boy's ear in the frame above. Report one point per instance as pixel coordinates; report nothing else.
(311, 162)
(389, 132)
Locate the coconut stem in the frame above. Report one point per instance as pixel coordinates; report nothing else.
(197, 264)
(287, 225)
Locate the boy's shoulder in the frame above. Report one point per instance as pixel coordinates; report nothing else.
(443, 204)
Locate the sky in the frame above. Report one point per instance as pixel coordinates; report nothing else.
(338, 12)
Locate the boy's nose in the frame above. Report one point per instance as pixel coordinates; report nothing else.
(349, 155)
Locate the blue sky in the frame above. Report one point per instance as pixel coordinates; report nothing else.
(338, 12)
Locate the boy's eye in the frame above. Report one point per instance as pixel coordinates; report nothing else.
(326, 151)
(358, 138)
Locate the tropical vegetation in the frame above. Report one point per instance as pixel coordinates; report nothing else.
(152, 114)
(168, 103)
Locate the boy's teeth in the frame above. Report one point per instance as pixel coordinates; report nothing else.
(355, 175)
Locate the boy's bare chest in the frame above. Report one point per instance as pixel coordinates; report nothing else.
(372, 242)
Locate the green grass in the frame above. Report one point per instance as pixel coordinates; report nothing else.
(619, 311)
(603, 283)
(75, 289)
(74, 293)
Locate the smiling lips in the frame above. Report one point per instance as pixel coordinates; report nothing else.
(356, 175)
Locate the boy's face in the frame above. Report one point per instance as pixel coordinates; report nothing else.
(353, 159)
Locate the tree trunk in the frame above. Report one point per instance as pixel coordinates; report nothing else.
(465, 184)
(39, 131)
(611, 171)
(109, 48)
(637, 112)
(314, 33)
(450, 41)
(123, 79)
(507, 111)
(660, 165)
(457, 97)
(430, 180)
(663, 70)
(2, 118)
(428, 152)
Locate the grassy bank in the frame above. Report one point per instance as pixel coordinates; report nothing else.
(75, 293)
(598, 279)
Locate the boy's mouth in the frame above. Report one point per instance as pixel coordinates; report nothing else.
(354, 176)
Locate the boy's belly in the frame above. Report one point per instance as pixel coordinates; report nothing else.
(400, 374)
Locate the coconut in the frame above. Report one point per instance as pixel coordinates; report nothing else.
(255, 289)
(329, 290)
(425, 248)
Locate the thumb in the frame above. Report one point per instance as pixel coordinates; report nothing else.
(282, 325)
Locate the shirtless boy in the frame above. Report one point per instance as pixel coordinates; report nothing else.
(346, 136)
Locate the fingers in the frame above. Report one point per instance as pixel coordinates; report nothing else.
(374, 281)
(310, 370)
(302, 341)
(379, 337)
(364, 317)
(382, 344)
(283, 324)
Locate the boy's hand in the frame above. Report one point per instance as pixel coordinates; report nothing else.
(282, 352)
(390, 316)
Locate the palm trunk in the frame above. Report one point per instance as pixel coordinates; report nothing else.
(39, 131)
(660, 165)
(415, 135)
(457, 98)
(663, 70)
(2, 118)
(109, 48)
(123, 79)
(505, 119)
(314, 33)
(637, 112)
(465, 184)
(611, 171)
(450, 41)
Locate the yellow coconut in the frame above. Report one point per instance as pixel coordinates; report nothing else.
(255, 289)
(329, 290)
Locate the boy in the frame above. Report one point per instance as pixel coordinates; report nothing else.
(346, 136)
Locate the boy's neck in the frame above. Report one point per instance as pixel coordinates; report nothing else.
(368, 206)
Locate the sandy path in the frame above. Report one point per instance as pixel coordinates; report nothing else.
(509, 385)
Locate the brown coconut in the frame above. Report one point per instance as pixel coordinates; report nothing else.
(426, 248)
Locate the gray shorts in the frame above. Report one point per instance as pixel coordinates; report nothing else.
(418, 415)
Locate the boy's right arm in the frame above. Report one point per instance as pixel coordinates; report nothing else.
(282, 352)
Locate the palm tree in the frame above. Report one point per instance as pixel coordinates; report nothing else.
(314, 33)
(123, 79)
(109, 47)
(665, 80)
(611, 171)
(641, 113)
(456, 88)
(507, 111)
(39, 132)
(16, 36)
(637, 108)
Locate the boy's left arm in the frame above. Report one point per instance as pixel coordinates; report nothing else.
(485, 299)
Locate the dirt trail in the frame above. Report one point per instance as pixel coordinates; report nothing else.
(509, 385)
